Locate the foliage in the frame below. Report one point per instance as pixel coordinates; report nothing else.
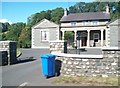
(14, 31)
(53, 15)
(69, 36)
(95, 7)
(4, 27)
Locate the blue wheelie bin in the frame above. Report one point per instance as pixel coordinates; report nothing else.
(48, 65)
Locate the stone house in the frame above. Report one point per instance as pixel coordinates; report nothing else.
(94, 28)
(114, 33)
(91, 26)
(44, 32)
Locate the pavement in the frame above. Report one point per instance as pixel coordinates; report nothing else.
(90, 51)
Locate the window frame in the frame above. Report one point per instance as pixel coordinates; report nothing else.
(84, 23)
(94, 38)
(44, 33)
(73, 23)
(95, 23)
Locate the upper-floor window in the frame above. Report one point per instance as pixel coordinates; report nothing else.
(73, 23)
(84, 23)
(95, 22)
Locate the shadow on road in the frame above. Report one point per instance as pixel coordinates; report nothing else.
(21, 60)
(24, 60)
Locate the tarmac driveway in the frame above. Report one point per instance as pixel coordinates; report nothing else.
(29, 72)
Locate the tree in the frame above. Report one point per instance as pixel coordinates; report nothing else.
(4, 27)
(14, 31)
(69, 36)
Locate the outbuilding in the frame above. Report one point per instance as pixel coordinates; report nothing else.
(44, 32)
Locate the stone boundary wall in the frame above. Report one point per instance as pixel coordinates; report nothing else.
(90, 65)
(11, 48)
(57, 46)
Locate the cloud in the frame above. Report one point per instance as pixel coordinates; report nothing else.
(5, 20)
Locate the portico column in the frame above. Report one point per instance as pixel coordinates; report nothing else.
(63, 32)
(102, 37)
(75, 35)
(88, 38)
(106, 37)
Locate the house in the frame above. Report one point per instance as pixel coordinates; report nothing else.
(114, 33)
(43, 32)
(90, 26)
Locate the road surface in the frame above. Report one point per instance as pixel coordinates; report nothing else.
(26, 73)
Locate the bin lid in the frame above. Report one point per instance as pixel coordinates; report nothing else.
(46, 56)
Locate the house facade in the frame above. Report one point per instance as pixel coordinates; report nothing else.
(90, 26)
(44, 32)
(114, 33)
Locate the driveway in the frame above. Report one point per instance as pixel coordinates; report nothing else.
(29, 73)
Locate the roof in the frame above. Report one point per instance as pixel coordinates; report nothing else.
(116, 22)
(45, 24)
(86, 16)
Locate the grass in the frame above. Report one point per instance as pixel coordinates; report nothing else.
(111, 81)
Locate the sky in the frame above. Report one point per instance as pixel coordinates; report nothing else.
(19, 11)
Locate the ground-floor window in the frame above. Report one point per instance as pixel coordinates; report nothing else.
(96, 37)
(44, 35)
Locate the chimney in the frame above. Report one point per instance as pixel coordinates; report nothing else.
(65, 12)
(107, 9)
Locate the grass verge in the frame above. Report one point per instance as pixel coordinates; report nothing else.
(93, 81)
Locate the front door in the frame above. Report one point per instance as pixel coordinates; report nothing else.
(84, 41)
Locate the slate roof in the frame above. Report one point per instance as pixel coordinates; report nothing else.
(86, 16)
(116, 22)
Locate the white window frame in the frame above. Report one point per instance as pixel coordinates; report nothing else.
(95, 23)
(95, 35)
(43, 33)
(84, 23)
(73, 23)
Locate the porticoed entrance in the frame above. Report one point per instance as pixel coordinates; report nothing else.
(83, 38)
(84, 41)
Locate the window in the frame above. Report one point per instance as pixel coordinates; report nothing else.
(96, 37)
(84, 23)
(73, 23)
(44, 35)
(95, 22)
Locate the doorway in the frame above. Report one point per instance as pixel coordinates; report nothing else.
(84, 38)
(84, 41)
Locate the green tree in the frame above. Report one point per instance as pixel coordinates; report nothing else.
(14, 31)
(69, 36)
(56, 15)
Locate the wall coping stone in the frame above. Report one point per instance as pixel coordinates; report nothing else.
(110, 48)
(57, 41)
(78, 56)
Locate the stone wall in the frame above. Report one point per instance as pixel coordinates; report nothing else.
(87, 65)
(10, 47)
(58, 46)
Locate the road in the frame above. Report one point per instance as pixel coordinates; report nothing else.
(27, 72)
